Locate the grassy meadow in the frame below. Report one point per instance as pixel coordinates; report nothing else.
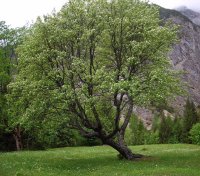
(162, 160)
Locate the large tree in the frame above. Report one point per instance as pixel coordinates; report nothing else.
(92, 62)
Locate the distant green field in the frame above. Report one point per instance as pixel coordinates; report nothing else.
(164, 160)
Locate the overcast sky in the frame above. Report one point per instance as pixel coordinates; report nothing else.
(17, 13)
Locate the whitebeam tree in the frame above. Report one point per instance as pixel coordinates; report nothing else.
(92, 62)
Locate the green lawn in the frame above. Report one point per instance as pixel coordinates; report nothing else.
(165, 160)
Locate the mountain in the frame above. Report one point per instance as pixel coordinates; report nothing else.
(192, 15)
(185, 57)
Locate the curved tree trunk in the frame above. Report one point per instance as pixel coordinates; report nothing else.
(119, 144)
(123, 149)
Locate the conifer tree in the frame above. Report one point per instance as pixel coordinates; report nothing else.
(165, 130)
(190, 118)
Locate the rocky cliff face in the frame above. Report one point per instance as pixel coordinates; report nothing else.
(185, 56)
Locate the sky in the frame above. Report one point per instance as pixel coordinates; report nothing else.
(18, 13)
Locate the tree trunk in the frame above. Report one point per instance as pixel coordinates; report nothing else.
(18, 138)
(123, 149)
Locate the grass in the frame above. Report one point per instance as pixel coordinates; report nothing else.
(165, 160)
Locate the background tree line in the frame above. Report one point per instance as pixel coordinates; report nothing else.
(167, 129)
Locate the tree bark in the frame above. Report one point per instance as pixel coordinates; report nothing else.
(119, 144)
(123, 149)
(18, 138)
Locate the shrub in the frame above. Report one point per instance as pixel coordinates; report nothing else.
(138, 131)
(151, 137)
(195, 134)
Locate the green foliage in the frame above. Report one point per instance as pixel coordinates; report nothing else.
(190, 118)
(128, 136)
(177, 131)
(195, 134)
(9, 40)
(5, 78)
(170, 130)
(165, 130)
(156, 123)
(138, 131)
(137, 134)
(49, 135)
(50, 42)
(151, 137)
